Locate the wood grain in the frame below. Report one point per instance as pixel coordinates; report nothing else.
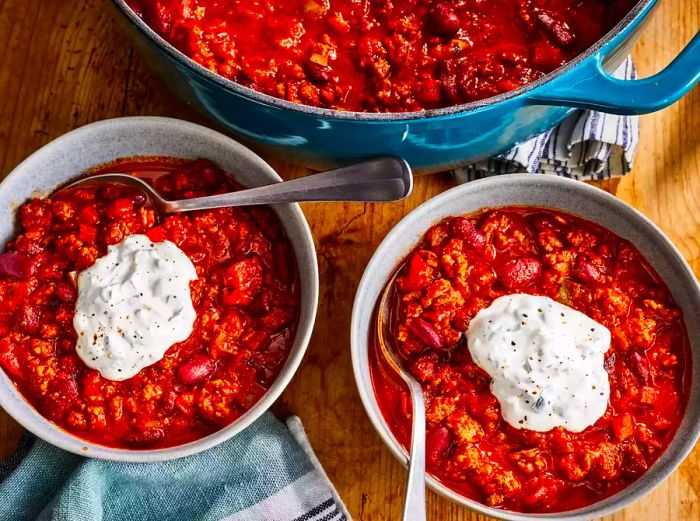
(65, 64)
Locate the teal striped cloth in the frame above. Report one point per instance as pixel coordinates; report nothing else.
(268, 472)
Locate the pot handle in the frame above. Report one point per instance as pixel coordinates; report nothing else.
(592, 87)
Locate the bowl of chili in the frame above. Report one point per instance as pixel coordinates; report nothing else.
(253, 290)
(581, 247)
(437, 83)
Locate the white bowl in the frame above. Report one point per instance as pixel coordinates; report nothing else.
(71, 155)
(568, 196)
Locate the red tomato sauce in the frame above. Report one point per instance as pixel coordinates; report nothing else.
(246, 298)
(382, 55)
(461, 265)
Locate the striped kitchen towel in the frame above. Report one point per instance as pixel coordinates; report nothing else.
(268, 472)
(587, 145)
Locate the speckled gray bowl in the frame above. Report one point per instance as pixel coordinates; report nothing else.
(572, 197)
(67, 158)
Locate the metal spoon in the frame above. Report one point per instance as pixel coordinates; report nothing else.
(381, 179)
(414, 502)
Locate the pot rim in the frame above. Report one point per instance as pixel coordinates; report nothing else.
(641, 8)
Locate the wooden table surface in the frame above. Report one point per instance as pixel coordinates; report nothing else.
(66, 63)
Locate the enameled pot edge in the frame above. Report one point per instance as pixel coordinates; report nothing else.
(430, 141)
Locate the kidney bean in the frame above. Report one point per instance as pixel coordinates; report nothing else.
(465, 229)
(426, 333)
(517, 273)
(147, 437)
(195, 369)
(317, 73)
(437, 440)
(16, 265)
(557, 29)
(444, 19)
(639, 364)
(587, 271)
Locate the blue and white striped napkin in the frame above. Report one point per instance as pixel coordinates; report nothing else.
(268, 472)
(588, 145)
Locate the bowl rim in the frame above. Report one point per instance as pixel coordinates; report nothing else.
(64, 439)
(358, 342)
(642, 6)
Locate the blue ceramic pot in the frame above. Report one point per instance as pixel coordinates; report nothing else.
(429, 140)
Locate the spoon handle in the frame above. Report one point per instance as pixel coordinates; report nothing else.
(414, 503)
(381, 179)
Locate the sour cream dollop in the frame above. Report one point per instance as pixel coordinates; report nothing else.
(133, 305)
(545, 360)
